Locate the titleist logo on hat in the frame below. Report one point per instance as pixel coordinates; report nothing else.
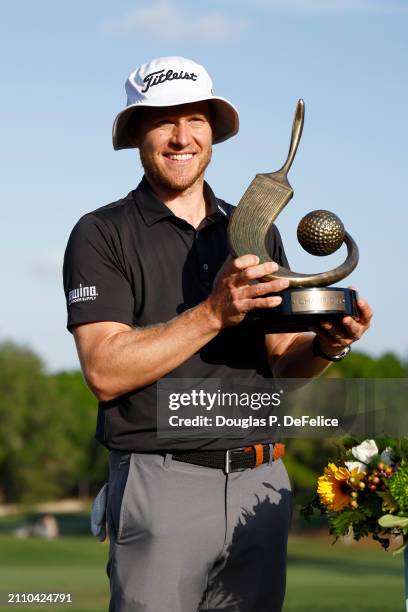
(157, 77)
(171, 81)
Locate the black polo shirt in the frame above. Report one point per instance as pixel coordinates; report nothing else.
(135, 262)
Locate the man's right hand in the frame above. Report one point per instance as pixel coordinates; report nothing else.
(236, 290)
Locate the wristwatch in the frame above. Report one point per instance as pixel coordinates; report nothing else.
(318, 352)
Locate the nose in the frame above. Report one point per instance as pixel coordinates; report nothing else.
(181, 135)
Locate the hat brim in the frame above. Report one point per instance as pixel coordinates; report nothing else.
(226, 122)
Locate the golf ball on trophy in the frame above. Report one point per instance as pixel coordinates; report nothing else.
(320, 232)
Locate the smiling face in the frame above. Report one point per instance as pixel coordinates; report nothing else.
(175, 144)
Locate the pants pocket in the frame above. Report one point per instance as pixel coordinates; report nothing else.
(119, 483)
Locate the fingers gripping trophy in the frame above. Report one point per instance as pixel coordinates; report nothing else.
(309, 298)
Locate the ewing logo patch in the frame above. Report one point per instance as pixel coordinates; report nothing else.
(82, 294)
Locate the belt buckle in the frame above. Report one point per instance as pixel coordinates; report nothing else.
(227, 465)
(227, 462)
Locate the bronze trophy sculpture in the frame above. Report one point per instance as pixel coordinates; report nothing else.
(308, 300)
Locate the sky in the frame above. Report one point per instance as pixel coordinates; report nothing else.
(63, 71)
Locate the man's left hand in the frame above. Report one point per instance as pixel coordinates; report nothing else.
(333, 339)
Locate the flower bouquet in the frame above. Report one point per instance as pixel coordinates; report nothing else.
(365, 492)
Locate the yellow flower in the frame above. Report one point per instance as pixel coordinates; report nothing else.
(333, 488)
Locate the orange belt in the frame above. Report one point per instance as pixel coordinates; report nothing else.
(278, 452)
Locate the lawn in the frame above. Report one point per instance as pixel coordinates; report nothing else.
(74, 564)
(321, 577)
(356, 578)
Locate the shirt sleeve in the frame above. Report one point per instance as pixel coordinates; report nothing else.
(275, 248)
(95, 283)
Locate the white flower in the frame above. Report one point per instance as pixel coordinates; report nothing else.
(350, 465)
(386, 456)
(364, 453)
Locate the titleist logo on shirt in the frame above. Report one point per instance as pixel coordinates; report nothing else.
(155, 78)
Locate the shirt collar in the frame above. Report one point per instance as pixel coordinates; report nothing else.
(153, 209)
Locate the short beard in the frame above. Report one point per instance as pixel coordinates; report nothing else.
(183, 183)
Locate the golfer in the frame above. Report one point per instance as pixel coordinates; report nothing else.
(152, 292)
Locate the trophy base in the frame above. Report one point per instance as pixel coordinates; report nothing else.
(302, 309)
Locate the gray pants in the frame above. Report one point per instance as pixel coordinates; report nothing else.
(186, 538)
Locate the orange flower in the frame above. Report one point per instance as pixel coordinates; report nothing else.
(333, 487)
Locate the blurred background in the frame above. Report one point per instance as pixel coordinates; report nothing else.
(63, 74)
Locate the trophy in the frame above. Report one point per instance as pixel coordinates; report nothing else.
(308, 299)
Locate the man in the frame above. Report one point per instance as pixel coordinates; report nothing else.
(153, 293)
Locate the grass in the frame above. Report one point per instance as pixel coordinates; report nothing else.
(74, 564)
(356, 578)
(321, 577)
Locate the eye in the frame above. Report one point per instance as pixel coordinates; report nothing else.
(198, 119)
(163, 123)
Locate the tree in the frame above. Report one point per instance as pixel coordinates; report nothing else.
(39, 456)
(80, 409)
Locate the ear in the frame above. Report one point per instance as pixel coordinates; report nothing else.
(132, 133)
(133, 126)
(212, 119)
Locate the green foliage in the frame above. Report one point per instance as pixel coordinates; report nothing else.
(398, 484)
(80, 409)
(340, 523)
(33, 451)
(360, 522)
(360, 365)
(47, 426)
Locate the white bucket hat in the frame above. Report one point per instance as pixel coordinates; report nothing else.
(170, 81)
